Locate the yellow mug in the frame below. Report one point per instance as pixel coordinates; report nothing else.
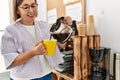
(50, 46)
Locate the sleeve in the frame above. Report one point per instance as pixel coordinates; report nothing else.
(8, 49)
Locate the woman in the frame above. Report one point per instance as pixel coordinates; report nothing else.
(23, 52)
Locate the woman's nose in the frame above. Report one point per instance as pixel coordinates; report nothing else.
(31, 9)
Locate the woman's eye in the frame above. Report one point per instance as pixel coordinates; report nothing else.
(33, 6)
(25, 7)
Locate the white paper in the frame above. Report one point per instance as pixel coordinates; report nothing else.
(74, 11)
(52, 16)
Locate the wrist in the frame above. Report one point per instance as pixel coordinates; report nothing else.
(31, 53)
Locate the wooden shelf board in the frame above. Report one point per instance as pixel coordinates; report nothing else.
(64, 75)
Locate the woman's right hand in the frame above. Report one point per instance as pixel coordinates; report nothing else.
(62, 45)
(38, 49)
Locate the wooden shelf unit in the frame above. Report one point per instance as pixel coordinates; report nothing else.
(82, 61)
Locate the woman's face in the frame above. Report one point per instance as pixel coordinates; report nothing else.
(28, 11)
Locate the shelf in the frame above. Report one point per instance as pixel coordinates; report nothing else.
(82, 61)
(62, 76)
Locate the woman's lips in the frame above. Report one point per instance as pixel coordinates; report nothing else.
(31, 16)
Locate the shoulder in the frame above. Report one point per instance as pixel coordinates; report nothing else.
(12, 26)
(11, 29)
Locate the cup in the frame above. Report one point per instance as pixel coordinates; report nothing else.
(81, 29)
(90, 29)
(50, 46)
(90, 19)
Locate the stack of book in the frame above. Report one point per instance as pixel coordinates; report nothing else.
(68, 63)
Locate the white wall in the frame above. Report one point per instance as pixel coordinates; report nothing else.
(42, 10)
(107, 22)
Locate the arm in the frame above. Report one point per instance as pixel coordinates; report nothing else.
(37, 49)
(13, 55)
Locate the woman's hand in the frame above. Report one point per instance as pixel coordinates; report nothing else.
(38, 49)
(62, 45)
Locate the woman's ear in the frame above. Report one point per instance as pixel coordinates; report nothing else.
(18, 12)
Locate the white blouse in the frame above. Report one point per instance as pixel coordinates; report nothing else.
(16, 40)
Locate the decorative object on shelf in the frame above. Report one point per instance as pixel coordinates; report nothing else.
(68, 64)
(90, 25)
(99, 71)
(117, 66)
(81, 29)
(61, 31)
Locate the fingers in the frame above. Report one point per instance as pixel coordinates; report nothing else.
(38, 43)
(41, 48)
(44, 51)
